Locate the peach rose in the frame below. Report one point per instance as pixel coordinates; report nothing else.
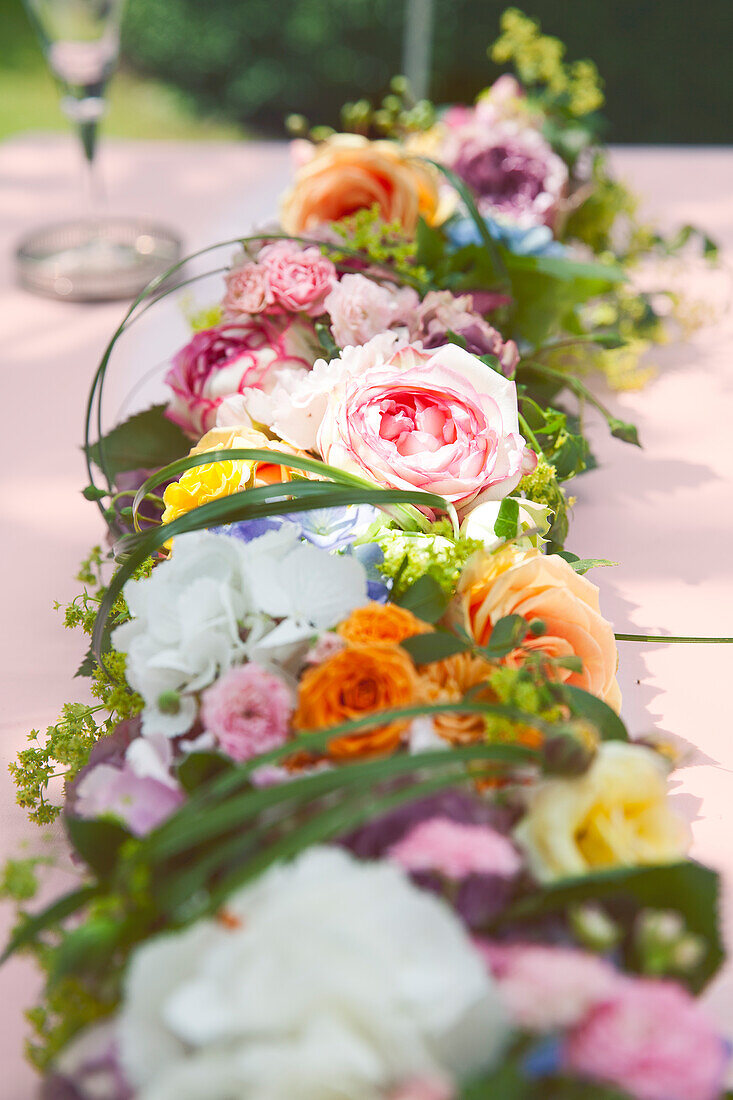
(545, 587)
(349, 173)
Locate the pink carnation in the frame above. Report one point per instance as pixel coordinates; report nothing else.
(248, 711)
(299, 278)
(548, 988)
(248, 290)
(456, 850)
(361, 308)
(231, 358)
(653, 1041)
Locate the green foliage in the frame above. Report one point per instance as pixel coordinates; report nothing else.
(147, 440)
(384, 242)
(687, 888)
(66, 745)
(436, 554)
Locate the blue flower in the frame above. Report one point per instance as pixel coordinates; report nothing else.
(533, 240)
(544, 1058)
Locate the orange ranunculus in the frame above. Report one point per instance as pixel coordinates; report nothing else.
(544, 587)
(447, 681)
(353, 684)
(381, 624)
(348, 173)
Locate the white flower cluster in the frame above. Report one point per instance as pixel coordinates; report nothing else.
(219, 601)
(329, 979)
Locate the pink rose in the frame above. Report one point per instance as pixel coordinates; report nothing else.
(299, 278)
(248, 711)
(456, 850)
(548, 988)
(231, 358)
(652, 1040)
(360, 308)
(439, 421)
(248, 290)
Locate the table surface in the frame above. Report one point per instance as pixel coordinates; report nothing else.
(663, 513)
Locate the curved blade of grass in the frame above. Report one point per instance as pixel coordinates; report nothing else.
(331, 823)
(156, 290)
(191, 829)
(65, 907)
(300, 496)
(470, 203)
(253, 454)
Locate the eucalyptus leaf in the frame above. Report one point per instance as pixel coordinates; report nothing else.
(424, 598)
(507, 520)
(599, 714)
(506, 634)
(426, 648)
(147, 440)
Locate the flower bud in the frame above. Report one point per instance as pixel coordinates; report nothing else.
(594, 928)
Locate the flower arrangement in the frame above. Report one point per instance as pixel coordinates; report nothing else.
(356, 815)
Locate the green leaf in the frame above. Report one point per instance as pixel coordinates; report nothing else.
(425, 599)
(426, 648)
(198, 768)
(92, 492)
(31, 927)
(87, 949)
(582, 565)
(623, 430)
(506, 635)
(148, 440)
(430, 245)
(88, 664)
(97, 841)
(505, 526)
(599, 714)
(687, 887)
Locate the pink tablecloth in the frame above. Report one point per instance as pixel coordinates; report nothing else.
(663, 513)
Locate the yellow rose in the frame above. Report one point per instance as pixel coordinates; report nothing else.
(348, 173)
(201, 484)
(615, 815)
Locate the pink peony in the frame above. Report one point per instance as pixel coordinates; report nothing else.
(248, 711)
(548, 988)
(438, 421)
(141, 802)
(230, 358)
(652, 1040)
(360, 308)
(440, 312)
(300, 279)
(456, 850)
(248, 290)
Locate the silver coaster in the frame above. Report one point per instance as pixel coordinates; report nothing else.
(95, 260)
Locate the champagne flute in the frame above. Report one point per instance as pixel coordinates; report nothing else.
(94, 257)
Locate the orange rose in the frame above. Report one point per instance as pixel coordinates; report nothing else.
(349, 173)
(353, 684)
(545, 587)
(448, 681)
(381, 624)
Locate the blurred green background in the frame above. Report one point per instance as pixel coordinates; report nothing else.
(221, 68)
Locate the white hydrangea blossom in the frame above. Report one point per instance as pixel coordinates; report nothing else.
(217, 602)
(331, 979)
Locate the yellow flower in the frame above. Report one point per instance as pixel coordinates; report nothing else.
(615, 815)
(212, 480)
